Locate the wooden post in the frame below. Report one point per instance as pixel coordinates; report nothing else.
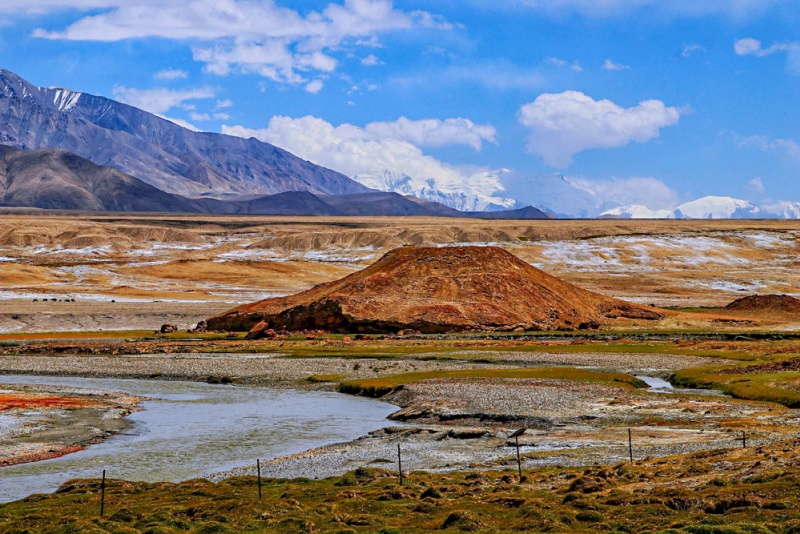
(103, 494)
(630, 445)
(744, 439)
(399, 465)
(519, 461)
(258, 469)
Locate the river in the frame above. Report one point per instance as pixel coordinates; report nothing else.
(189, 429)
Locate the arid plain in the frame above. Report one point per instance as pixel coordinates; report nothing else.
(83, 296)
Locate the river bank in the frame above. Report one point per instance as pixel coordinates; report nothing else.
(40, 422)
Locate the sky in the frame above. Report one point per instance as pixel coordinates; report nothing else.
(647, 102)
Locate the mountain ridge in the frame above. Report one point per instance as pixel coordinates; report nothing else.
(152, 149)
(58, 179)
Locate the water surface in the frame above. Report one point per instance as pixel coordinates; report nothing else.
(190, 429)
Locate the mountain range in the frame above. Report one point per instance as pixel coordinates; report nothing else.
(62, 149)
(57, 179)
(154, 150)
(710, 207)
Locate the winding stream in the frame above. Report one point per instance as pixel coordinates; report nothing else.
(188, 430)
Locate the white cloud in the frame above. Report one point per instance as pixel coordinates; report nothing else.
(373, 156)
(756, 185)
(223, 104)
(562, 63)
(753, 47)
(199, 117)
(690, 49)
(787, 147)
(610, 65)
(372, 61)
(314, 86)
(159, 99)
(222, 116)
(565, 124)
(247, 36)
(434, 132)
(647, 191)
(171, 74)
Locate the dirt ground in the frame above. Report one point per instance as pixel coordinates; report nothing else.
(155, 263)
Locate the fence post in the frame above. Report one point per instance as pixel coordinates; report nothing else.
(399, 465)
(103, 494)
(630, 445)
(744, 439)
(258, 469)
(519, 461)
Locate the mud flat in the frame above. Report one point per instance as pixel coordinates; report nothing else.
(41, 422)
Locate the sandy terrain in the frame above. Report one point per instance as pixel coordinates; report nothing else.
(152, 263)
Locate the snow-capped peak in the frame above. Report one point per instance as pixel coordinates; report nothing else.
(713, 207)
(710, 207)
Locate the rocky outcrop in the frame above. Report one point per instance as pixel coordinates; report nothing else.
(437, 290)
(766, 303)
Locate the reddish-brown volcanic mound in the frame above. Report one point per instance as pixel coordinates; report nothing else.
(437, 290)
(766, 303)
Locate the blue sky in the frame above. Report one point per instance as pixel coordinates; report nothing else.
(652, 102)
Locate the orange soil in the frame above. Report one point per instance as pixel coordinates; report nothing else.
(24, 402)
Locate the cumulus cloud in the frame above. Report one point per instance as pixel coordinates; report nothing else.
(160, 99)
(381, 156)
(171, 74)
(434, 132)
(565, 124)
(753, 47)
(245, 36)
(314, 86)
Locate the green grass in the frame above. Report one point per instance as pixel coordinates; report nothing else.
(377, 387)
(780, 387)
(618, 498)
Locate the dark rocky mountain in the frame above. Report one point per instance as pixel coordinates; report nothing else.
(156, 151)
(56, 179)
(393, 204)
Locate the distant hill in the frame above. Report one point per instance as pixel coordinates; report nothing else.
(437, 290)
(159, 152)
(56, 179)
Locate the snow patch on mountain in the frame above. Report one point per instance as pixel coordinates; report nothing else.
(64, 99)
